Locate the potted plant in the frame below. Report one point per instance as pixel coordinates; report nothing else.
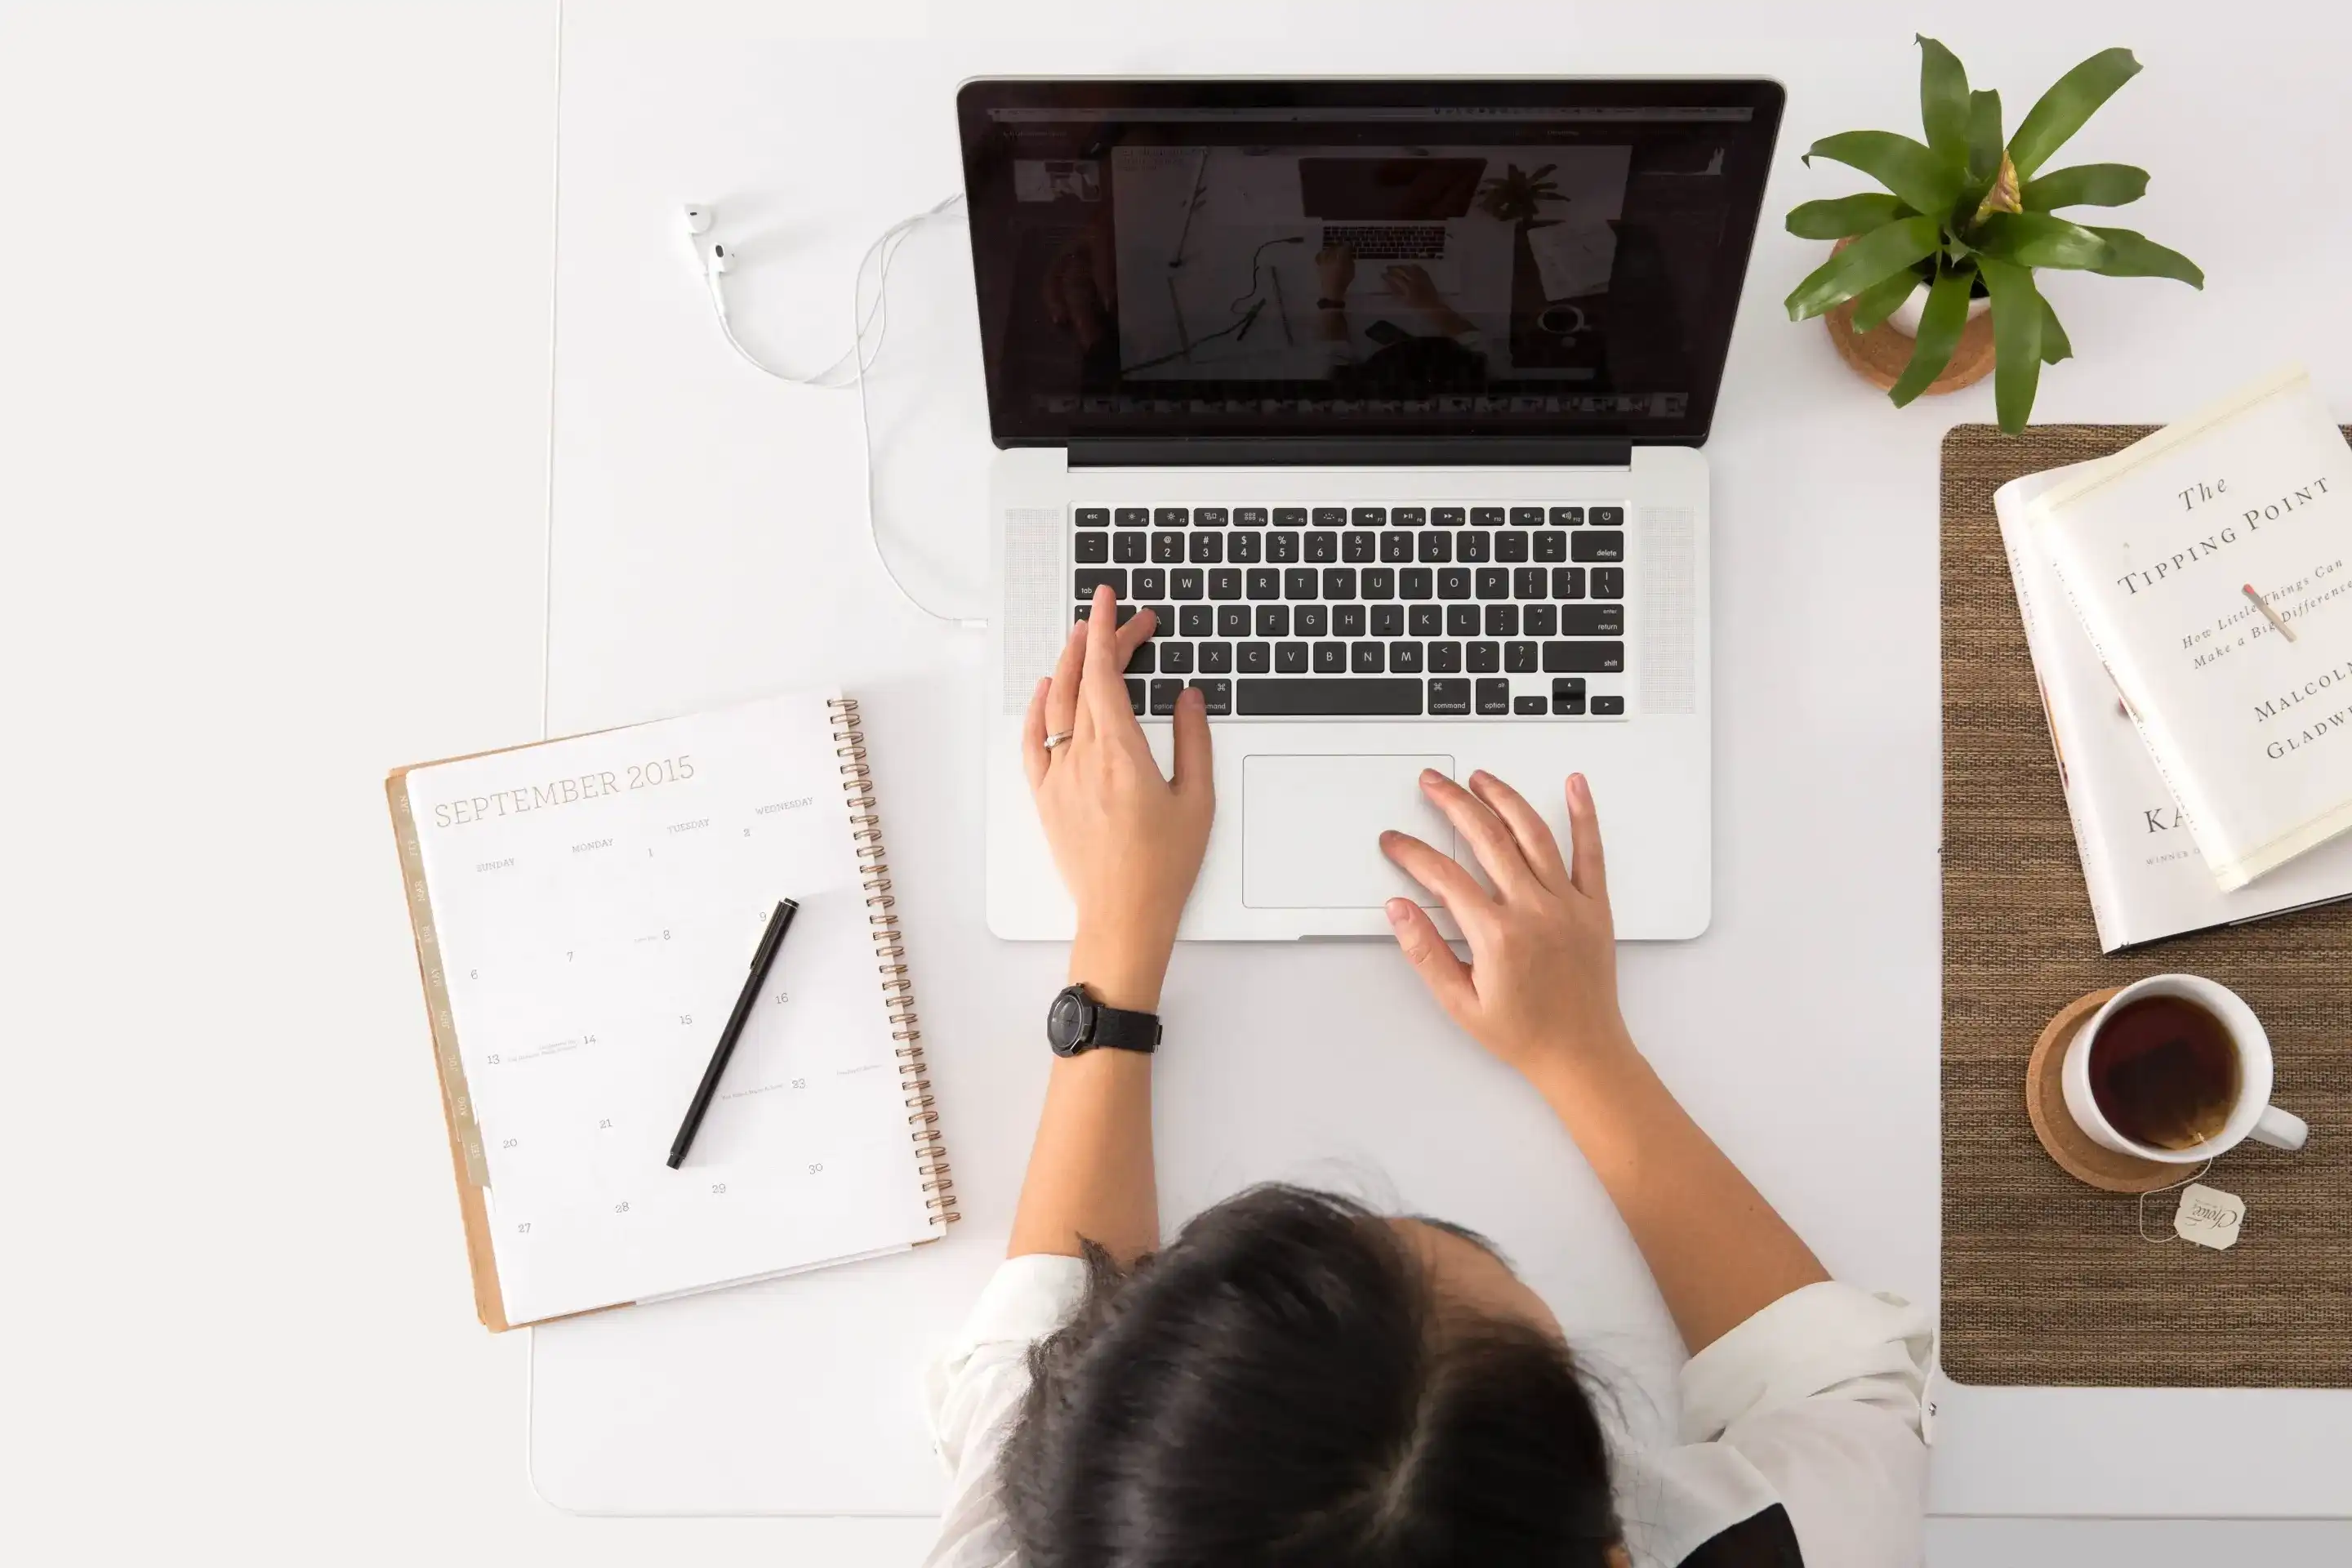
(1516, 197)
(1965, 216)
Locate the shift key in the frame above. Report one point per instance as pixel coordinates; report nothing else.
(1583, 658)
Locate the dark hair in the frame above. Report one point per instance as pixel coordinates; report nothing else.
(1280, 1386)
(1397, 368)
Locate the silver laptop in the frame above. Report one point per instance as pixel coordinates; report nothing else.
(1387, 397)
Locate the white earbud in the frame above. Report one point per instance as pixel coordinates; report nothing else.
(710, 258)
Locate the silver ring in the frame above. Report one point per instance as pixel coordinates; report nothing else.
(1054, 741)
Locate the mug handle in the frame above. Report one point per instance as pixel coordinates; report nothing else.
(2280, 1129)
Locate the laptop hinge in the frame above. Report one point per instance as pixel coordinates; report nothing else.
(1354, 451)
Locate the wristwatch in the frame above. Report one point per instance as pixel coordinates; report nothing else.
(1328, 304)
(1077, 1023)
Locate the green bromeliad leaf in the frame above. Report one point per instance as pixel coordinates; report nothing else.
(1984, 140)
(2085, 185)
(1881, 300)
(2037, 239)
(2054, 344)
(1924, 181)
(1939, 333)
(1869, 259)
(1845, 215)
(2072, 98)
(2133, 255)
(2017, 312)
(1944, 101)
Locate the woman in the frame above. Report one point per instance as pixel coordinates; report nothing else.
(1294, 1379)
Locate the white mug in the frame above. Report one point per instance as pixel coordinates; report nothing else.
(1551, 316)
(2254, 1116)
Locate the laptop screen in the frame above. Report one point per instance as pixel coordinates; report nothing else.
(1317, 259)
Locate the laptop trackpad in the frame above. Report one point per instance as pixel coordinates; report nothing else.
(1311, 829)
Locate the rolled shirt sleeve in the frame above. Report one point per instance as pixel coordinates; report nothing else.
(974, 1389)
(1814, 1403)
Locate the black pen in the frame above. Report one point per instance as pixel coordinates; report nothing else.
(761, 962)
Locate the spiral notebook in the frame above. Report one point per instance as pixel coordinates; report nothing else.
(585, 911)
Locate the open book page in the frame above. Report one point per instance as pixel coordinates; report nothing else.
(597, 902)
(2145, 878)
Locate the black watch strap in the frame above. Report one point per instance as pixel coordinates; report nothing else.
(1078, 1023)
(1124, 1031)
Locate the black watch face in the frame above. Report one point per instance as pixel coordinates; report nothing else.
(1067, 1026)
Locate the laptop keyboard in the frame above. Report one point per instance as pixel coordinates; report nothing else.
(1439, 612)
(1389, 241)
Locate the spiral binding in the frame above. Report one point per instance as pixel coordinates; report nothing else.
(890, 953)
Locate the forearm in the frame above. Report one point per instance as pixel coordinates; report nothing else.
(1090, 1172)
(1090, 1169)
(1718, 1251)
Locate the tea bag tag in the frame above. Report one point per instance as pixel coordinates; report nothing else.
(2208, 1217)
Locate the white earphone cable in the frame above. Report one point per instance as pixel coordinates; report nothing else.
(850, 370)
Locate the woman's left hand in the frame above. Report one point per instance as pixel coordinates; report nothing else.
(1414, 286)
(1127, 842)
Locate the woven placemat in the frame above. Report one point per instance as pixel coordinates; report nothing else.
(2046, 1280)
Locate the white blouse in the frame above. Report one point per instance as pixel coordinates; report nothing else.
(1812, 1405)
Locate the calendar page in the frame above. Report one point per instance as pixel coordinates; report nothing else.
(597, 902)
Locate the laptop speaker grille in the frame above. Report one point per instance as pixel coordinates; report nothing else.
(1036, 609)
(1666, 636)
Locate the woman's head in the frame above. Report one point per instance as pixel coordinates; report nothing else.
(1298, 1380)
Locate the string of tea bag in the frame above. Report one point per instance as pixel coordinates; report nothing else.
(2187, 1181)
(2206, 1216)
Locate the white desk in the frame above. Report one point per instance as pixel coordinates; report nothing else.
(706, 546)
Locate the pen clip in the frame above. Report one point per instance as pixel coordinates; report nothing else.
(777, 924)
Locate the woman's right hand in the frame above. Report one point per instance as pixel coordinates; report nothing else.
(1127, 840)
(1540, 988)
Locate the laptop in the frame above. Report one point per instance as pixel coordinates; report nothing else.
(1392, 210)
(1387, 397)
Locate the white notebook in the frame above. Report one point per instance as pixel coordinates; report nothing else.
(586, 913)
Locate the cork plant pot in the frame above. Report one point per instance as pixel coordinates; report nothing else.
(1879, 354)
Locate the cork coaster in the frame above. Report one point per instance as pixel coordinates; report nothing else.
(1879, 354)
(2045, 1102)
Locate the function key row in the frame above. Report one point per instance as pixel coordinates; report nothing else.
(1348, 583)
(1362, 697)
(1351, 517)
(1354, 546)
